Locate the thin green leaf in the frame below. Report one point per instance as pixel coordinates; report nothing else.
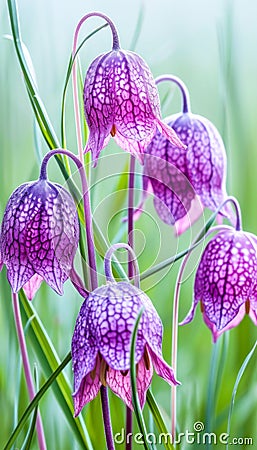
(238, 379)
(211, 394)
(158, 419)
(222, 361)
(28, 76)
(29, 437)
(33, 404)
(133, 381)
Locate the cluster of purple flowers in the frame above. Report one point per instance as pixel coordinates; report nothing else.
(184, 166)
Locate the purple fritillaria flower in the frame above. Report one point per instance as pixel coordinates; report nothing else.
(39, 236)
(186, 180)
(226, 281)
(121, 100)
(101, 344)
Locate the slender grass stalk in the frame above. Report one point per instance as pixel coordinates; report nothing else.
(160, 424)
(29, 437)
(211, 394)
(238, 379)
(29, 80)
(26, 366)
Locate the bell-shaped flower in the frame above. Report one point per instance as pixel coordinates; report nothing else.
(121, 100)
(39, 236)
(226, 281)
(101, 344)
(184, 181)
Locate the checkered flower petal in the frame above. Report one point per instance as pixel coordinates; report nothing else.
(103, 332)
(39, 235)
(121, 99)
(225, 280)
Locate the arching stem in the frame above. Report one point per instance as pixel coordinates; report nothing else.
(184, 91)
(108, 262)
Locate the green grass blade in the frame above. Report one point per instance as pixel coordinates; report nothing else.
(238, 379)
(211, 393)
(28, 439)
(133, 381)
(49, 132)
(158, 419)
(38, 107)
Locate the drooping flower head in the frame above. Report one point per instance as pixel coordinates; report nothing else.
(186, 180)
(101, 344)
(121, 99)
(226, 281)
(39, 236)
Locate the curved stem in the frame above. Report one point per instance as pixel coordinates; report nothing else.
(26, 366)
(186, 108)
(179, 282)
(234, 201)
(108, 262)
(86, 204)
(115, 46)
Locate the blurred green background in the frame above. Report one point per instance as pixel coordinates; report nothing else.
(211, 45)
